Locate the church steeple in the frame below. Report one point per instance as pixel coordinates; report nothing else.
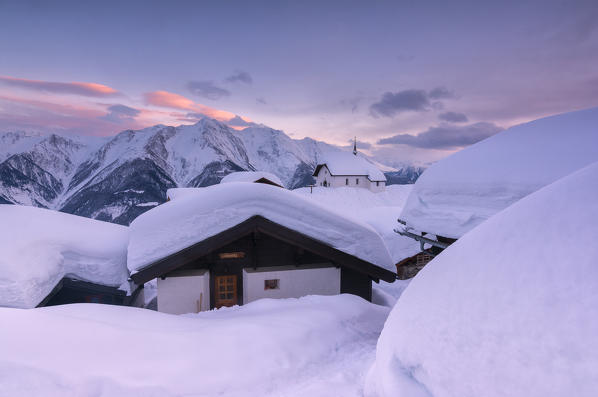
(355, 146)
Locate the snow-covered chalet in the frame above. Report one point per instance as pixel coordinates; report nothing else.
(462, 191)
(233, 243)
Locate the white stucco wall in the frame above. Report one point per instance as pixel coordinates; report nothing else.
(294, 282)
(182, 291)
(341, 181)
(379, 188)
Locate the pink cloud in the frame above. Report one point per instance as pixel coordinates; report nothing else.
(28, 114)
(176, 101)
(76, 88)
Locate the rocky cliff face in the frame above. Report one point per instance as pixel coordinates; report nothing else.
(117, 178)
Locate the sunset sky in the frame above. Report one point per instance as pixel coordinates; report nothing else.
(412, 80)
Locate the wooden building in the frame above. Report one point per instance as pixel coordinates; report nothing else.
(256, 259)
(409, 267)
(71, 290)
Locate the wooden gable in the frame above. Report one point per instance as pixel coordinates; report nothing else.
(260, 225)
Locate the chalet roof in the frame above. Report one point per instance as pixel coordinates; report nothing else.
(39, 247)
(216, 210)
(461, 191)
(348, 164)
(253, 176)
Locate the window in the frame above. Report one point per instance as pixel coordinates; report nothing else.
(271, 284)
(231, 255)
(423, 259)
(347, 181)
(377, 183)
(357, 181)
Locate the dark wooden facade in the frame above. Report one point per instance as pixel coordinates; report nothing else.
(69, 290)
(267, 181)
(258, 243)
(409, 267)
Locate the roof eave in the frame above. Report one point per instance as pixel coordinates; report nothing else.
(262, 225)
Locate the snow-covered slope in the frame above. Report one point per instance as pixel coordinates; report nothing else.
(510, 309)
(459, 192)
(116, 179)
(38, 247)
(272, 347)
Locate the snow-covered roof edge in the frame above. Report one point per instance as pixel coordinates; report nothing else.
(205, 212)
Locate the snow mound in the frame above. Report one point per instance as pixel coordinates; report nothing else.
(38, 247)
(458, 193)
(510, 309)
(290, 347)
(251, 176)
(205, 212)
(379, 210)
(344, 163)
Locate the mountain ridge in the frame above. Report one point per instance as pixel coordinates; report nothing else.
(117, 178)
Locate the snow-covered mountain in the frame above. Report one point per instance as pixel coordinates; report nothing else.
(117, 178)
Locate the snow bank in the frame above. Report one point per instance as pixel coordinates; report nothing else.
(38, 247)
(307, 346)
(379, 210)
(458, 193)
(251, 176)
(208, 211)
(510, 309)
(345, 163)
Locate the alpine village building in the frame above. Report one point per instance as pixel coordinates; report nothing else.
(349, 170)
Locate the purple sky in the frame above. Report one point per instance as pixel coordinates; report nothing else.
(411, 81)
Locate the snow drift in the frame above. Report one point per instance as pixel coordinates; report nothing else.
(460, 192)
(380, 210)
(38, 247)
(510, 309)
(291, 347)
(197, 215)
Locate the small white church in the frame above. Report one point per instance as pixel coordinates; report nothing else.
(349, 170)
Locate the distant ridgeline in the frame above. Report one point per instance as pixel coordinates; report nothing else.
(118, 178)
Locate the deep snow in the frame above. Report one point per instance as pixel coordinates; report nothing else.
(38, 247)
(379, 210)
(250, 176)
(205, 212)
(312, 346)
(510, 309)
(461, 191)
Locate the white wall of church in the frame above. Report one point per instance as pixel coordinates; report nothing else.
(184, 292)
(293, 282)
(342, 181)
(377, 186)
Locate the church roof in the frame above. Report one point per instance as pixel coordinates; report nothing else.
(343, 163)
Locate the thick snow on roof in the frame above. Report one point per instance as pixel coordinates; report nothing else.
(511, 309)
(345, 163)
(458, 193)
(250, 176)
(379, 210)
(38, 247)
(205, 212)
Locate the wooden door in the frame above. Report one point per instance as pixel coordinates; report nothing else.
(225, 291)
